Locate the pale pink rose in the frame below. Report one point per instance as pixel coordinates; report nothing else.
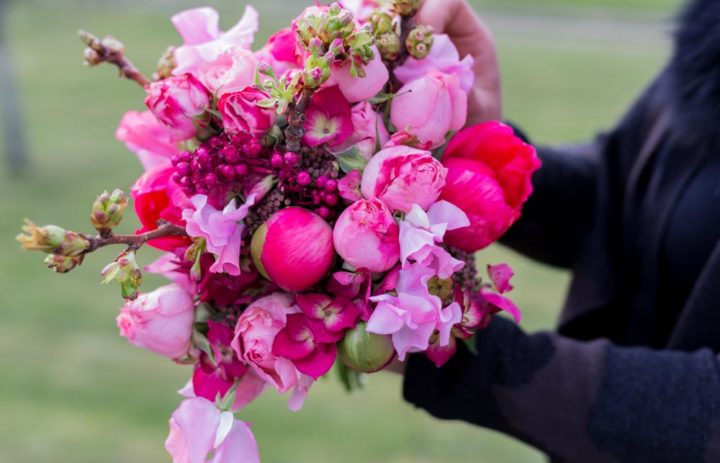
(445, 58)
(366, 236)
(144, 136)
(222, 230)
(413, 315)
(431, 107)
(205, 43)
(357, 89)
(241, 114)
(177, 103)
(422, 233)
(369, 131)
(198, 429)
(402, 176)
(160, 321)
(230, 72)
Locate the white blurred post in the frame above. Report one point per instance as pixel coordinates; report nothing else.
(11, 120)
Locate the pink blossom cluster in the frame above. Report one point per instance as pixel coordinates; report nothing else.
(309, 179)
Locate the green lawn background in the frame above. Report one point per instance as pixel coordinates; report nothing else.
(71, 390)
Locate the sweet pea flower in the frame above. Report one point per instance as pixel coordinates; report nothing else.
(241, 114)
(414, 315)
(222, 230)
(308, 344)
(158, 198)
(356, 89)
(178, 104)
(204, 43)
(328, 119)
(349, 186)
(145, 137)
(445, 58)
(281, 51)
(254, 336)
(366, 236)
(369, 130)
(160, 321)
(402, 176)
(431, 107)
(421, 232)
(198, 429)
(169, 265)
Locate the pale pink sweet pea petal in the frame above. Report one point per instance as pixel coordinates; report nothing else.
(222, 231)
(238, 446)
(167, 265)
(147, 138)
(356, 89)
(501, 275)
(198, 25)
(445, 58)
(248, 390)
(502, 303)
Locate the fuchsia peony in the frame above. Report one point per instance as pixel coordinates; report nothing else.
(198, 430)
(402, 176)
(241, 114)
(160, 321)
(307, 344)
(205, 43)
(366, 236)
(369, 131)
(294, 249)
(329, 118)
(489, 178)
(222, 231)
(431, 107)
(178, 103)
(144, 136)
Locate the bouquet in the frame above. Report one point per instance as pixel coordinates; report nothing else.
(318, 204)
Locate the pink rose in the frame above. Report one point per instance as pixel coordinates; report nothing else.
(431, 107)
(144, 136)
(160, 321)
(178, 103)
(357, 89)
(403, 176)
(489, 178)
(204, 42)
(366, 236)
(240, 112)
(369, 130)
(254, 336)
(445, 58)
(198, 429)
(230, 72)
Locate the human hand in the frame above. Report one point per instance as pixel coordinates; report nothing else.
(471, 36)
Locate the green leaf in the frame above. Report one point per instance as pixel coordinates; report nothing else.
(350, 160)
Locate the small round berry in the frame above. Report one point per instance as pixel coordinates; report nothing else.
(331, 186)
(227, 171)
(323, 212)
(304, 179)
(330, 199)
(211, 179)
(276, 161)
(291, 158)
(321, 181)
(241, 170)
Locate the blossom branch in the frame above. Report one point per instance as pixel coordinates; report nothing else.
(111, 50)
(135, 242)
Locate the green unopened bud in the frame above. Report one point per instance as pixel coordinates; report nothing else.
(420, 42)
(316, 73)
(407, 7)
(108, 210)
(365, 352)
(193, 254)
(381, 23)
(389, 46)
(113, 45)
(62, 264)
(52, 239)
(124, 270)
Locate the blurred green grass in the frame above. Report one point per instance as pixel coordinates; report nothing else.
(72, 390)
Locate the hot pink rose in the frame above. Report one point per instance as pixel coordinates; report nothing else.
(144, 136)
(369, 130)
(357, 89)
(490, 173)
(198, 430)
(240, 112)
(160, 321)
(178, 103)
(431, 107)
(366, 236)
(403, 176)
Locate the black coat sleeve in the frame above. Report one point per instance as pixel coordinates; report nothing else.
(578, 401)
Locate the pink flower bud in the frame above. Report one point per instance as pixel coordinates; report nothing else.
(177, 102)
(240, 112)
(403, 176)
(294, 249)
(160, 321)
(367, 237)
